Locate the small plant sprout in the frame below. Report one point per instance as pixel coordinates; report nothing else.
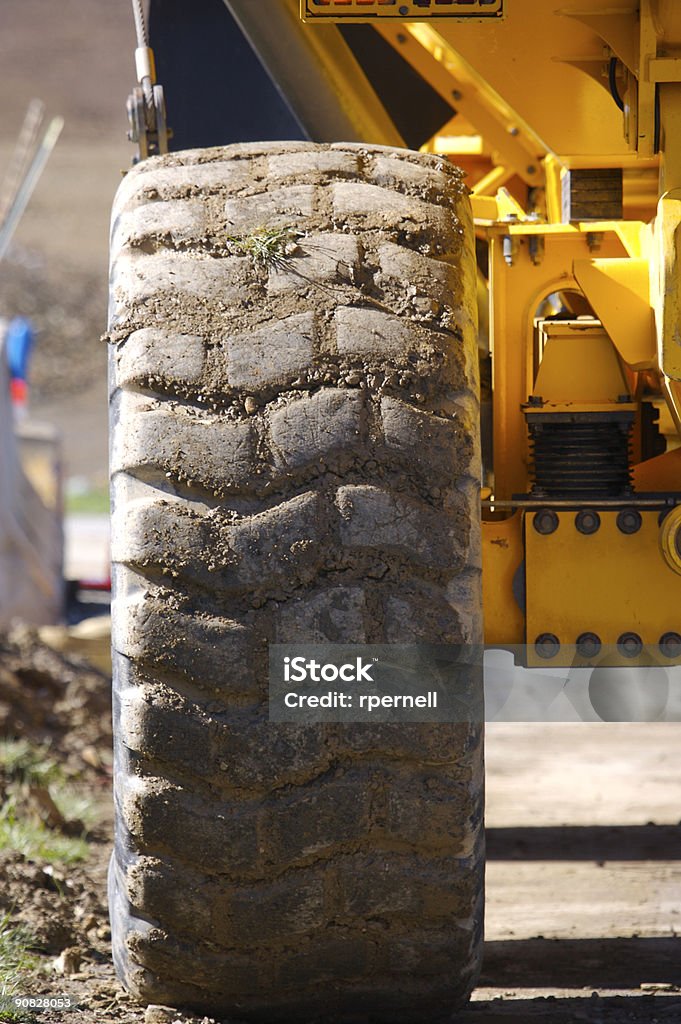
(272, 249)
(268, 247)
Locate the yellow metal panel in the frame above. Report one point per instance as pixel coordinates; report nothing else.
(485, 210)
(636, 238)
(523, 59)
(617, 27)
(670, 142)
(668, 13)
(672, 393)
(607, 583)
(619, 292)
(666, 284)
(440, 66)
(502, 127)
(579, 366)
(502, 554)
(663, 69)
(663, 473)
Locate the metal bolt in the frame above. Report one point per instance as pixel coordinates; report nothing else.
(457, 94)
(629, 521)
(514, 131)
(547, 645)
(670, 645)
(404, 10)
(401, 38)
(509, 249)
(535, 400)
(545, 521)
(630, 645)
(587, 521)
(531, 169)
(588, 645)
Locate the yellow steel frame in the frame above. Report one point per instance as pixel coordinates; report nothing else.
(542, 259)
(534, 97)
(608, 583)
(628, 271)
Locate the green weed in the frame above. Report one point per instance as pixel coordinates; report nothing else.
(16, 961)
(35, 840)
(268, 247)
(22, 763)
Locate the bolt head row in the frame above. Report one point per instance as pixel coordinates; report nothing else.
(588, 645)
(587, 521)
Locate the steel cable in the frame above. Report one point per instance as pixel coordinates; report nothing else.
(140, 23)
(143, 43)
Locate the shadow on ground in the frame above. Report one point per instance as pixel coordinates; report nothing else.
(580, 963)
(585, 842)
(644, 1009)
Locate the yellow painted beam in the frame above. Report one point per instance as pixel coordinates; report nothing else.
(497, 177)
(619, 293)
(435, 60)
(485, 210)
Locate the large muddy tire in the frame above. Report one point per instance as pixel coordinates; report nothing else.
(294, 458)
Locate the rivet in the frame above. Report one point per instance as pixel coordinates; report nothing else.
(630, 645)
(547, 645)
(629, 521)
(670, 645)
(587, 521)
(588, 645)
(545, 522)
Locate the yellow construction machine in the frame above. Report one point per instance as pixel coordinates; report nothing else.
(568, 121)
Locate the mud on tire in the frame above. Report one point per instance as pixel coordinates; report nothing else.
(294, 456)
